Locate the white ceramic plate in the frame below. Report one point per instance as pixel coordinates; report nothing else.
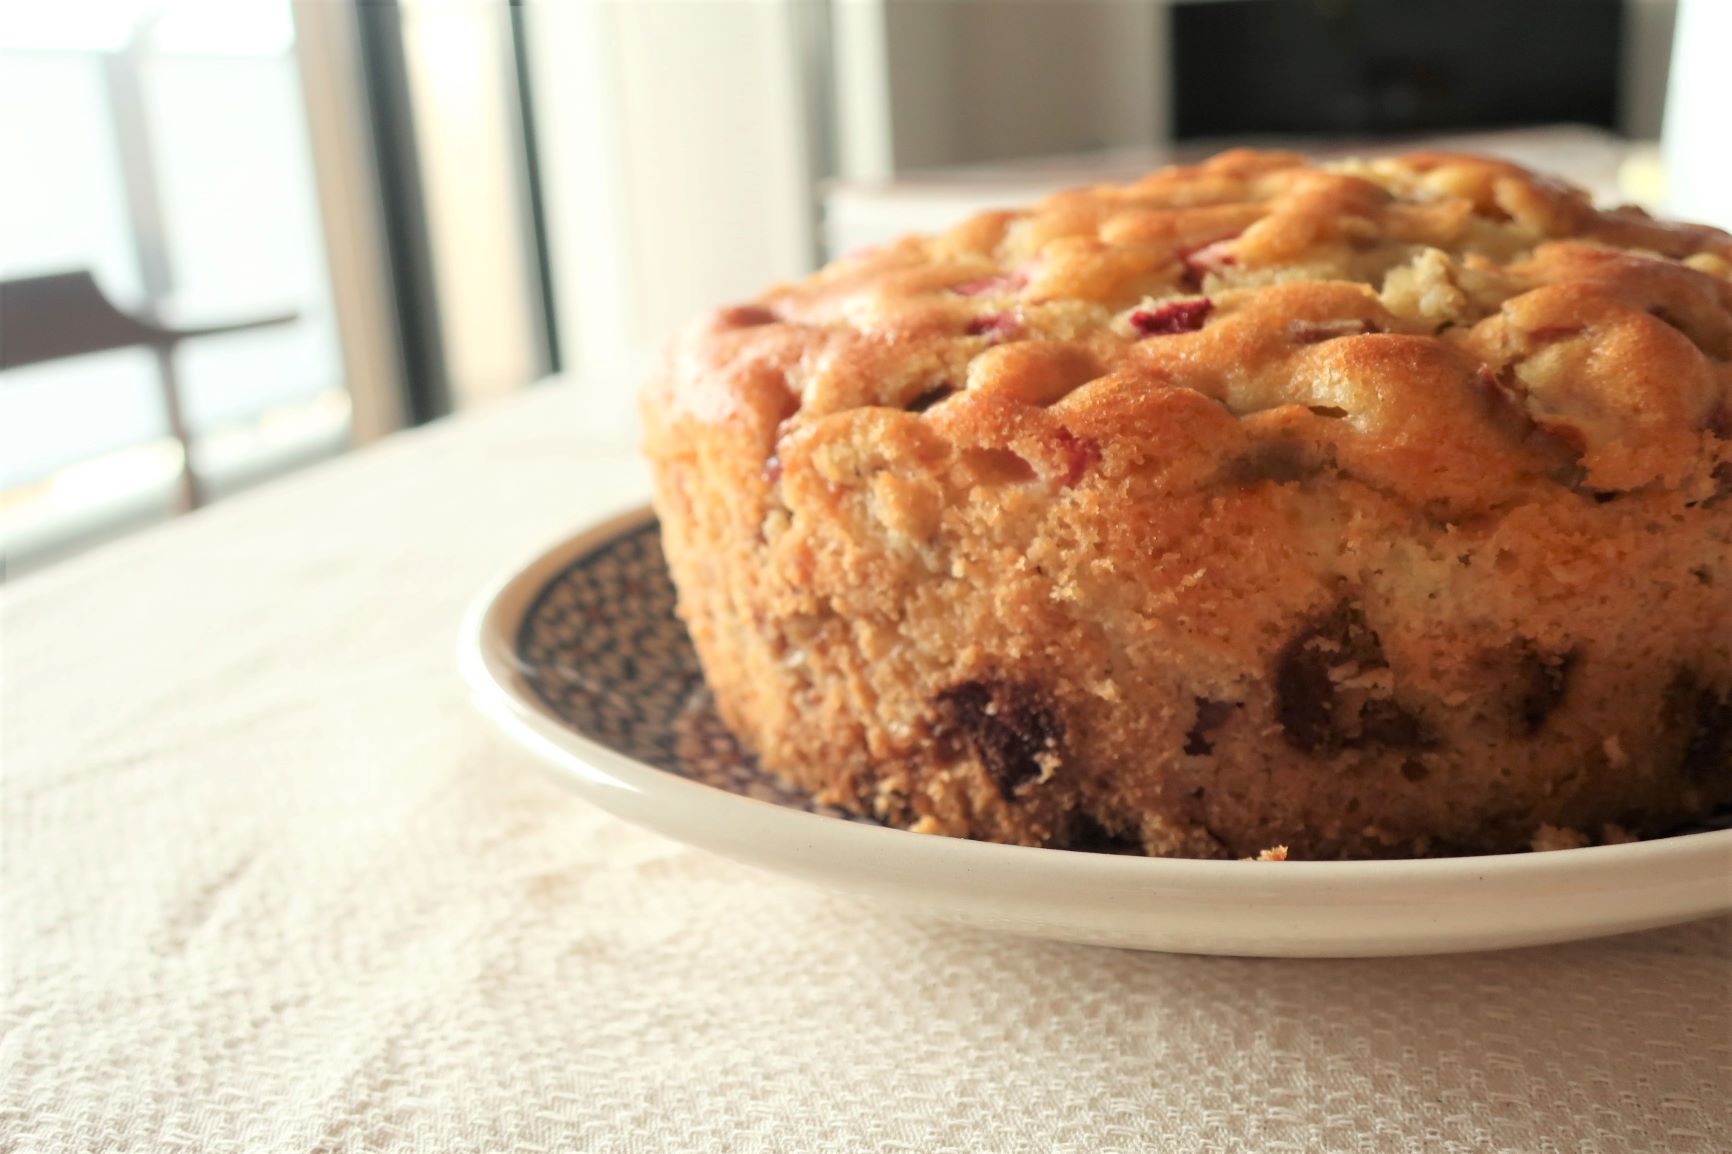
(577, 655)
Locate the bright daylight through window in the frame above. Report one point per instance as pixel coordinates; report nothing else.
(167, 153)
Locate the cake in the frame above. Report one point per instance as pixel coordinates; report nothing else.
(1370, 509)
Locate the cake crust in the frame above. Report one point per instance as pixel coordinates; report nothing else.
(1373, 509)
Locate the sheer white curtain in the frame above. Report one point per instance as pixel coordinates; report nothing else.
(1698, 99)
(679, 164)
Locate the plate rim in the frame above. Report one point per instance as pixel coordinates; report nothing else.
(502, 694)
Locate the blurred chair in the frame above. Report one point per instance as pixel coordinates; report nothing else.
(59, 315)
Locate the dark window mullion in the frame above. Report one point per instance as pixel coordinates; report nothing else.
(408, 240)
(547, 317)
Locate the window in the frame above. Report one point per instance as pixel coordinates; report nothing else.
(164, 149)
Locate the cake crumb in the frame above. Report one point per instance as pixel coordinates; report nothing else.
(1615, 755)
(1550, 837)
(1273, 853)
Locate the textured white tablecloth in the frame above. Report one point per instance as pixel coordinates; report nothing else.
(270, 886)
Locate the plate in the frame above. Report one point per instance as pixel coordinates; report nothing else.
(578, 656)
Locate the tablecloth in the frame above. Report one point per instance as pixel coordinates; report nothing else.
(271, 886)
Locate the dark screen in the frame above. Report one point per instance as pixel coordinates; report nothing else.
(1321, 67)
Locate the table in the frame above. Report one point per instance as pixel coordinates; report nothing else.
(271, 886)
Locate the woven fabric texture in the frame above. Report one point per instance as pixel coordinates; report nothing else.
(270, 886)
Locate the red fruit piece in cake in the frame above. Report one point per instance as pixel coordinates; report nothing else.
(1171, 317)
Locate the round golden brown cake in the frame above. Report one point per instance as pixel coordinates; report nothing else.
(1369, 509)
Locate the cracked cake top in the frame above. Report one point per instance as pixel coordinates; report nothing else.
(1457, 332)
